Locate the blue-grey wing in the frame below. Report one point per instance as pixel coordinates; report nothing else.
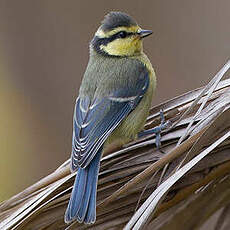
(95, 120)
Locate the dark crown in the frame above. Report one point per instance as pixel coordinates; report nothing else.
(116, 19)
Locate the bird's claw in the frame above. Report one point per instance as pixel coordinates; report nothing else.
(157, 130)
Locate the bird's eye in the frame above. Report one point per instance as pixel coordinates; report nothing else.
(122, 34)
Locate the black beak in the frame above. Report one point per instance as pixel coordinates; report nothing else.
(144, 33)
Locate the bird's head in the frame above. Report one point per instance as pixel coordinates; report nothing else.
(119, 36)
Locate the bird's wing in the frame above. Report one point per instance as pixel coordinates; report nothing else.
(95, 120)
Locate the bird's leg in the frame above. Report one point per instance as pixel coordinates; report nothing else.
(156, 130)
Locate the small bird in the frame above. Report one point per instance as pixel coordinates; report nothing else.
(111, 109)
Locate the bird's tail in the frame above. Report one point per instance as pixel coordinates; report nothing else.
(82, 203)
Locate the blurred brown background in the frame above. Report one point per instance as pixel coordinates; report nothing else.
(43, 55)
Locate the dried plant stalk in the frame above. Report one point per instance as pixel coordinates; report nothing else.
(201, 124)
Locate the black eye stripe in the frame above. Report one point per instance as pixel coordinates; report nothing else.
(127, 34)
(97, 41)
(105, 41)
(117, 35)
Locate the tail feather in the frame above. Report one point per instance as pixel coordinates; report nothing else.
(82, 204)
(85, 205)
(80, 182)
(91, 215)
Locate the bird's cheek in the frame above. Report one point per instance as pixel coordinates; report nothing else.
(138, 45)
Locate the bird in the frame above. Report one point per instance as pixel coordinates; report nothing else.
(112, 106)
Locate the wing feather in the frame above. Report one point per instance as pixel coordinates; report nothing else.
(95, 120)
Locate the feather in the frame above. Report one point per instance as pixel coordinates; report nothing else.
(95, 121)
(199, 194)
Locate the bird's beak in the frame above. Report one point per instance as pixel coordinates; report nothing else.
(144, 33)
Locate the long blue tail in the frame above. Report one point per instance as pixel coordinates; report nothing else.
(82, 203)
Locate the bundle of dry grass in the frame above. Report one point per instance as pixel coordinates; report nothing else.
(142, 188)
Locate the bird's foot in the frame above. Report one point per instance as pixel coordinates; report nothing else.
(157, 130)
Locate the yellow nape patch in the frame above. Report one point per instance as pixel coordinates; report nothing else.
(102, 34)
